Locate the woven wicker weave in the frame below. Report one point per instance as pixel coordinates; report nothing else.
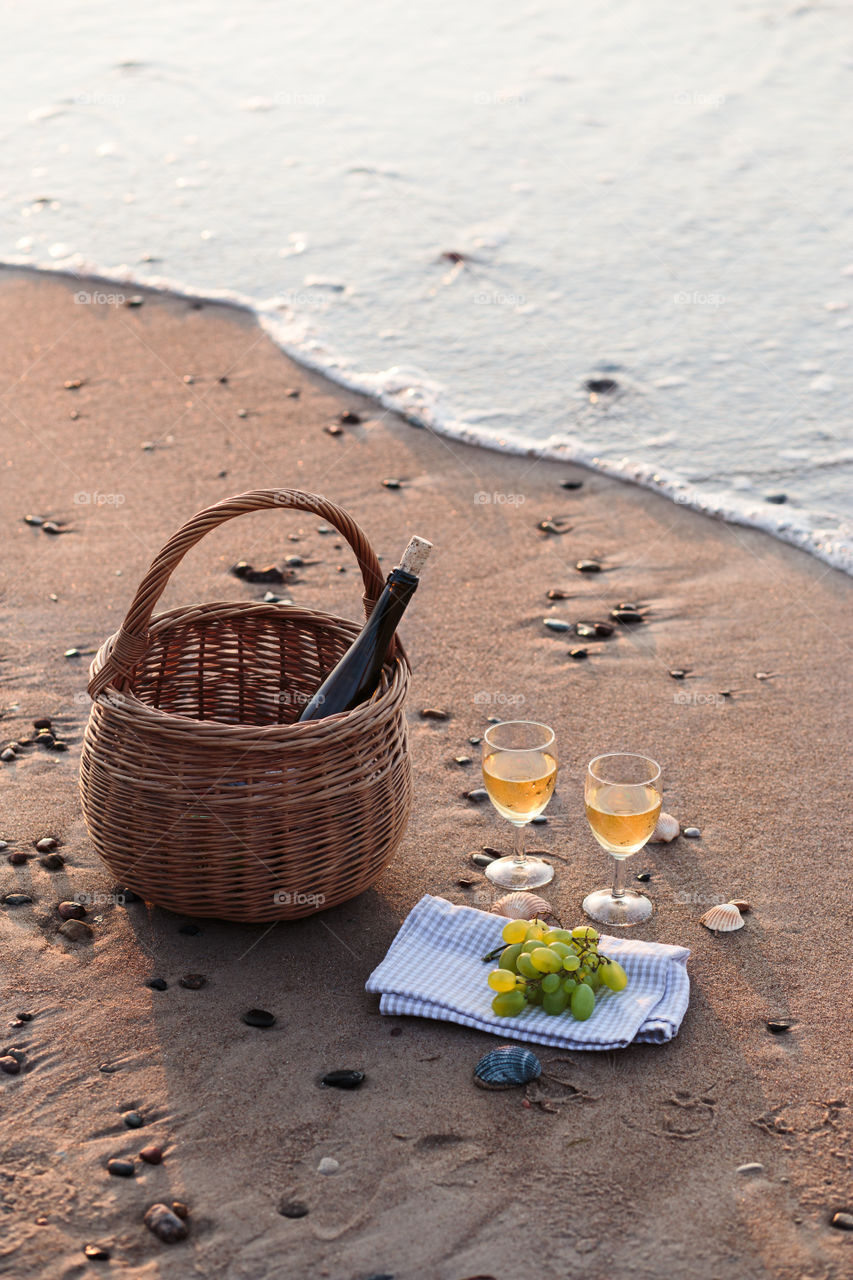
(199, 791)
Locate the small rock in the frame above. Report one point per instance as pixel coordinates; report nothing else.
(481, 859)
(120, 1168)
(678, 673)
(190, 930)
(556, 624)
(328, 1165)
(293, 1209)
(392, 484)
(7, 755)
(463, 760)
(343, 1079)
(558, 525)
(156, 984)
(539, 821)
(294, 562)
(189, 379)
(44, 723)
(477, 796)
(35, 521)
(9, 1065)
(25, 1017)
(51, 527)
(58, 746)
(842, 1221)
(493, 720)
(73, 384)
(258, 1018)
(46, 844)
(349, 417)
(627, 617)
(135, 300)
(601, 386)
(72, 653)
(588, 566)
(324, 529)
(132, 1120)
(556, 594)
(16, 899)
(578, 654)
(776, 498)
(72, 910)
(151, 1155)
(571, 484)
(165, 1224)
(333, 429)
(292, 393)
(193, 981)
(242, 413)
(747, 1169)
(18, 859)
(109, 1068)
(181, 1209)
(97, 1253)
(692, 833)
(52, 862)
(644, 876)
(467, 882)
(475, 742)
(778, 1026)
(434, 713)
(77, 931)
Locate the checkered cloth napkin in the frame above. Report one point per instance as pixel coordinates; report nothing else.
(434, 969)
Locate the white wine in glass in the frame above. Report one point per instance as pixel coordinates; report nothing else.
(622, 798)
(519, 770)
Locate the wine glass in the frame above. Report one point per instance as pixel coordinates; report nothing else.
(519, 770)
(623, 799)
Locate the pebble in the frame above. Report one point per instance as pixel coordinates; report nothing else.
(462, 760)
(540, 821)
(46, 844)
(77, 931)
(72, 653)
(151, 1155)
(51, 527)
(72, 910)
(132, 1120)
(571, 484)
(97, 1253)
(746, 1169)
(556, 624)
(692, 833)
(343, 1079)
(475, 742)
(137, 300)
(350, 417)
(16, 899)
(481, 859)
(293, 393)
(644, 876)
(392, 484)
(434, 713)
(588, 566)
(189, 929)
(18, 859)
(556, 594)
(477, 796)
(628, 617)
(7, 755)
(109, 1067)
(328, 1165)
(467, 882)
(165, 1224)
(9, 1065)
(242, 413)
(193, 981)
(601, 386)
(842, 1221)
(35, 521)
(678, 674)
(58, 746)
(181, 1209)
(778, 1026)
(324, 529)
(120, 1168)
(258, 1018)
(293, 1209)
(557, 525)
(776, 498)
(333, 429)
(73, 384)
(156, 984)
(52, 862)
(294, 562)
(578, 654)
(44, 738)
(493, 720)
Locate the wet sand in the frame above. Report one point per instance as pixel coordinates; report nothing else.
(635, 1174)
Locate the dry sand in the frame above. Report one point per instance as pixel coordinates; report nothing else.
(437, 1180)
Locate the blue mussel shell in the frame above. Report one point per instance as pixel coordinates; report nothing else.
(506, 1067)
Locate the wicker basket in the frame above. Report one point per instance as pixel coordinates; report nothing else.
(199, 791)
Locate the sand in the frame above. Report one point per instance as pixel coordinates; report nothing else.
(636, 1173)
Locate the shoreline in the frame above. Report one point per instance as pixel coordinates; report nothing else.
(172, 407)
(333, 368)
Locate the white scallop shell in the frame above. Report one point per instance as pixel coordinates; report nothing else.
(667, 829)
(521, 905)
(723, 918)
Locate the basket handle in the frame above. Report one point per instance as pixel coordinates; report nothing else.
(131, 640)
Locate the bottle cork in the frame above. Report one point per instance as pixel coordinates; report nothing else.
(415, 556)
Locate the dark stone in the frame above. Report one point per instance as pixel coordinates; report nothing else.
(467, 882)
(16, 899)
(778, 1026)
(189, 929)
(52, 862)
(556, 624)
(72, 910)
(481, 859)
(165, 1224)
(692, 833)
(293, 1209)
(72, 653)
(77, 931)
(25, 1017)
(463, 760)
(391, 484)
(842, 1221)
(156, 984)
(349, 417)
(475, 742)
(293, 393)
(9, 1065)
(46, 844)
(493, 720)
(678, 673)
(571, 484)
(343, 1079)
(578, 654)
(258, 1018)
(477, 796)
(97, 1253)
(181, 1209)
(124, 896)
(193, 981)
(627, 617)
(556, 594)
(151, 1155)
(120, 1168)
(56, 745)
(588, 566)
(539, 821)
(601, 386)
(644, 876)
(51, 527)
(109, 1068)
(776, 498)
(135, 300)
(396, 1031)
(132, 1120)
(434, 713)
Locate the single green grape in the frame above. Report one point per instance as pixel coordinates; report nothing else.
(561, 948)
(551, 982)
(569, 985)
(536, 929)
(535, 994)
(585, 934)
(613, 975)
(582, 1002)
(546, 961)
(571, 962)
(555, 1002)
(501, 980)
(509, 955)
(514, 931)
(509, 1004)
(532, 944)
(526, 967)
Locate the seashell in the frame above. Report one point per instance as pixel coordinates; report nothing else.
(507, 1067)
(667, 829)
(521, 905)
(724, 918)
(741, 904)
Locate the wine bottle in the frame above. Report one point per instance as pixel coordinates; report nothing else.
(357, 674)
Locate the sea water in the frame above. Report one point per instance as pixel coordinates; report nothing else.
(474, 210)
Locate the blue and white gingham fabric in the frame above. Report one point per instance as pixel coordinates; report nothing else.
(434, 969)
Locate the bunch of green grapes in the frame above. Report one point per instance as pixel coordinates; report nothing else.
(559, 969)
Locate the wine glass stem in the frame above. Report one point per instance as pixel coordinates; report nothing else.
(518, 842)
(619, 877)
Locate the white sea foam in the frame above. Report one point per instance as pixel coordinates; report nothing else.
(470, 215)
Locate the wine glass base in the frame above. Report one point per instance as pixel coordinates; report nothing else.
(617, 913)
(532, 873)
